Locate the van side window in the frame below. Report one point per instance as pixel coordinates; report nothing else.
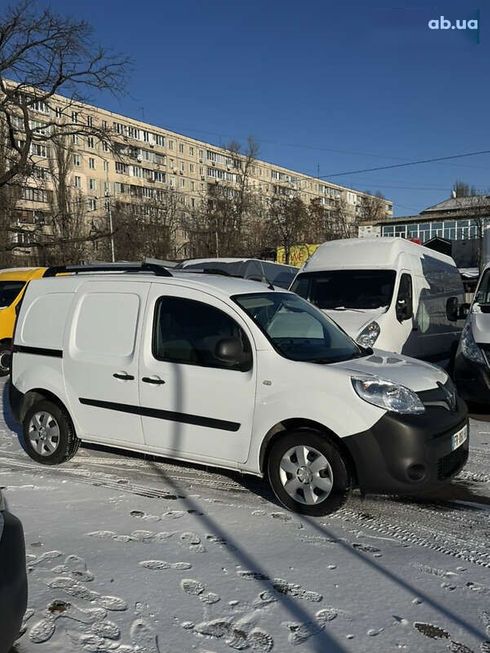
(483, 292)
(187, 331)
(404, 303)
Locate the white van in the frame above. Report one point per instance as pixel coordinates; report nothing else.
(471, 369)
(389, 293)
(225, 372)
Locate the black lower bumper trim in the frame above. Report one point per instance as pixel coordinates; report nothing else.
(407, 454)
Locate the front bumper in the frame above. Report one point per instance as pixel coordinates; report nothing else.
(13, 581)
(405, 454)
(472, 380)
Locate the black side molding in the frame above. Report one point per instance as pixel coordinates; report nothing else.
(38, 351)
(182, 418)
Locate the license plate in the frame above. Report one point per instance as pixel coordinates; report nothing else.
(459, 437)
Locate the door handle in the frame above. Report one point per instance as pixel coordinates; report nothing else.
(124, 376)
(153, 379)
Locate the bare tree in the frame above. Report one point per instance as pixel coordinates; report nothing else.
(287, 220)
(462, 189)
(220, 224)
(372, 207)
(148, 228)
(42, 54)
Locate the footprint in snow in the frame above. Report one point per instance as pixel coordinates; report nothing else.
(78, 590)
(75, 567)
(161, 565)
(299, 633)
(196, 588)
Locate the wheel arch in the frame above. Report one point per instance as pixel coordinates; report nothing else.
(40, 394)
(297, 423)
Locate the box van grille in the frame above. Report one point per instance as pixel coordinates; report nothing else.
(452, 463)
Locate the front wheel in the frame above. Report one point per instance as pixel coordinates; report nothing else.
(5, 359)
(48, 435)
(307, 473)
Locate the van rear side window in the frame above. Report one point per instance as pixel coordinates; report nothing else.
(106, 323)
(9, 291)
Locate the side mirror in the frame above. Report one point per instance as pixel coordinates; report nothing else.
(404, 310)
(464, 311)
(230, 351)
(452, 309)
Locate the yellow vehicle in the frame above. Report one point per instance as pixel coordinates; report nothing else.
(13, 282)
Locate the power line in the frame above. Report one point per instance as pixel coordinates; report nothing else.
(404, 165)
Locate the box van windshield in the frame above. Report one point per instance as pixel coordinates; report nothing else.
(346, 289)
(9, 291)
(298, 330)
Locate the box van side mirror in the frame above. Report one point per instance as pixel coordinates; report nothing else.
(404, 310)
(230, 351)
(464, 311)
(452, 309)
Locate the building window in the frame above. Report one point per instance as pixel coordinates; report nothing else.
(170, 145)
(40, 106)
(77, 181)
(193, 186)
(34, 194)
(104, 124)
(74, 116)
(191, 168)
(75, 139)
(91, 142)
(181, 148)
(182, 183)
(106, 166)
(121, 168)
(182, 166)
(191, 151)
(92, 184)
(90, 121)
(160, 140)
(91, 164)
(92, 204)
(58, 112)
(159, 176)
(77, 160)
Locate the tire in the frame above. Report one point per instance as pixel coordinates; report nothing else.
(54, 445)
(314, 490)
(5, 359)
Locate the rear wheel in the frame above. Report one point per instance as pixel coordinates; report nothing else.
(48, 434)
(307, 473)
(5, 359)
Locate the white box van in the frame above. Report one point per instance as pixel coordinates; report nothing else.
(471, 369)
(248, 268)
(227, 372)
(389, 293)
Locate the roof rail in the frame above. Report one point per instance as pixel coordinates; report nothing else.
(146, 266)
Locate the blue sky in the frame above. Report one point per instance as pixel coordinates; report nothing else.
(321, 85)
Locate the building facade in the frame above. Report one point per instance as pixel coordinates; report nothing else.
(143, 161)
(457, 218)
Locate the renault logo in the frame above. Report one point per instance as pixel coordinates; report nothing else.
(449, 396)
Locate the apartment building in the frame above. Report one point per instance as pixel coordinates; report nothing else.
(144, 161)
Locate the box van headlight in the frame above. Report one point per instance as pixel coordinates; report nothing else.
(369, 335)
(388, 395)
(469, 348)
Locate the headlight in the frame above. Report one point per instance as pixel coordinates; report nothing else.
(369, 335)
(388, 395)
(469, 348)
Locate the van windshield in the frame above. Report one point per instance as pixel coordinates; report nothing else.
(298, 330)
(346, 289)
(9, 291)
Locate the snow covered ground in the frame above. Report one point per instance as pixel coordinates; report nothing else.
(134, 555)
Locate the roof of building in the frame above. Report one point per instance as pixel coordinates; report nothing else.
(459, 203)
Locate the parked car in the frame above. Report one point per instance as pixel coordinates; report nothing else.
(389, 293)
(225, 372)
(13, 577)
(277, 274)
(471, 369)
(12, 285)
